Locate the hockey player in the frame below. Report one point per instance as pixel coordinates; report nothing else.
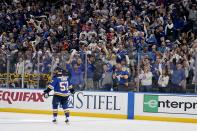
(62, 89)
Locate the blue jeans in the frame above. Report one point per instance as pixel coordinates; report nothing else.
(147, 88)
(175, 88)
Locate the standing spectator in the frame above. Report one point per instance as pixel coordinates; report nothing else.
(19, 66)
(90, 72)
(3, 64)
(146, 80)
(192, 12)
(178, 78)
(28, 65)
(111, 58)
(120, 54)
(163, 82)
(76, 76)
(194, 76)
(157, 70)
(121, 76)
(98, 71)
(106, 81)
(19, 70)
(46, 68)
(132, 51)
(186, 69)
(170, 31)
(159, 34)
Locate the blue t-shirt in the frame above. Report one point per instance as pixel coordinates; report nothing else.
(177, 76)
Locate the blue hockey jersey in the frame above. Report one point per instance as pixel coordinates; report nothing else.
(61, 85)
(125, 75)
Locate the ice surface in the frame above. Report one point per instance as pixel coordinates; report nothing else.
(34, 122)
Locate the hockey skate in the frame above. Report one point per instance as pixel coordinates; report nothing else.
(54, 121)
(67, 121)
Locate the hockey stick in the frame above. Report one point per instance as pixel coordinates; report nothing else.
(68, 94)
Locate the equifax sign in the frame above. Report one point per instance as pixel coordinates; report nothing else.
(13, 96)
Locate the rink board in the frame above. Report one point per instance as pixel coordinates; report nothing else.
(84, 103)
(165, 107)
(121, 105)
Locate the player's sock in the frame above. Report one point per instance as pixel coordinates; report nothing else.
(55, 110)
(67, 113)
(55, 113)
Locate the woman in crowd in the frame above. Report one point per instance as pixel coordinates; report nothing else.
(146, 80)
(163, 81)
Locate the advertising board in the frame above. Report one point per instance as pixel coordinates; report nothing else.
(170, 104)
(82, 102)
(165, 107)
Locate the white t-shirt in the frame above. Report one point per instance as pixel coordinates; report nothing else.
(146, 78)
(163, 80)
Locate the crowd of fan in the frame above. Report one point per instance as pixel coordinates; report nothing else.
(103, 44)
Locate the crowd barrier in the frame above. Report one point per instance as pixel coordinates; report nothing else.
(123, 105)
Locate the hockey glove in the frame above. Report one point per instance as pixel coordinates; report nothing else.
(72, 91)
(46, 94)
